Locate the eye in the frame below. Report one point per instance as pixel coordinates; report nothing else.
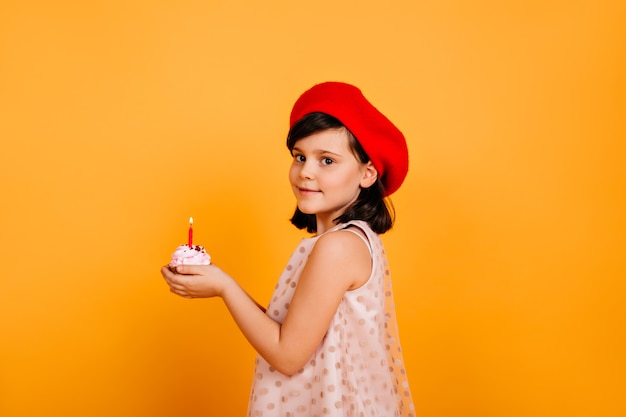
(327, 161)
(299, 158)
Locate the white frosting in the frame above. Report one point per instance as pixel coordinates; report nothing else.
(184, 255)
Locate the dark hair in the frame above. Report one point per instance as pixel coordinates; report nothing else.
(370, 206)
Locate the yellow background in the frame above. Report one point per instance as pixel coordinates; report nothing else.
(120, 119)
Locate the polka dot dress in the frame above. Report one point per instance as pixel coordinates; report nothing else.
(358, 369)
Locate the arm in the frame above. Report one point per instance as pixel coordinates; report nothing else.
(338, 262)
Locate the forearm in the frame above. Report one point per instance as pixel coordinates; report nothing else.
(263, 333)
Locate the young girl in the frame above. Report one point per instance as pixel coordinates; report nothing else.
(327, 344)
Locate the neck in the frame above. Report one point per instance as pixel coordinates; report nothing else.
(324, 224)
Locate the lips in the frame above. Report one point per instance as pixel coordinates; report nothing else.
(307, 191)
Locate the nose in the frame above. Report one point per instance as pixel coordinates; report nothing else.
(307, 171)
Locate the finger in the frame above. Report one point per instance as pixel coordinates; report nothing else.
(169, 279)
(180, 293)
(167, 273)
(189, 269)
(172, 277)
(177, 287)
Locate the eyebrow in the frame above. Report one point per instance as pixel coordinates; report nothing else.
(318, 151)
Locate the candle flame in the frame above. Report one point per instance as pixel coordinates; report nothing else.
(190, 221)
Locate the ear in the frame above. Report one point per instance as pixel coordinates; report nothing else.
(369, 175)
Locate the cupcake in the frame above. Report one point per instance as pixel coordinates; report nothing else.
(189, 255)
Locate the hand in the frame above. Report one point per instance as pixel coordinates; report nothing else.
(196, 281)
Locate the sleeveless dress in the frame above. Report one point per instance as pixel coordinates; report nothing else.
(358, 369)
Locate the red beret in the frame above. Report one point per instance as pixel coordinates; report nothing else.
(382, 141)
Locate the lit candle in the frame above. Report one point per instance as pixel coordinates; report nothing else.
(190, 241)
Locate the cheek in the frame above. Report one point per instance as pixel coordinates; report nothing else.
(344, 183)
(351, 178)
(293, 174)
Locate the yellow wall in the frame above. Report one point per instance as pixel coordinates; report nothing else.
(120, 119)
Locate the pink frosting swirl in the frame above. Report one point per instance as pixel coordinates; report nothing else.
(185, 255)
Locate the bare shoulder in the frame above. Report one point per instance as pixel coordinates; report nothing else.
(346, 253)
(344, 242)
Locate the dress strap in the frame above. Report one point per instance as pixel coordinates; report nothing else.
(364, 239)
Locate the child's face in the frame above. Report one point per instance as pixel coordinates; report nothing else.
(325, 175)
